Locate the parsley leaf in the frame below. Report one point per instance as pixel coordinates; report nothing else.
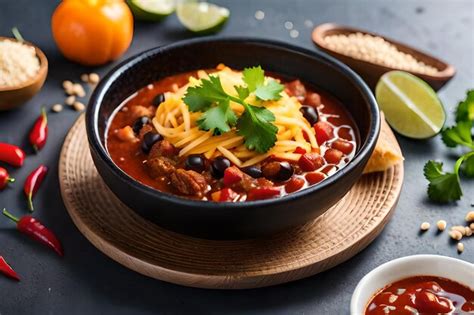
(443, 187)
(200, 98)
(242, 91)
(465, 110)
(219, 118)
(257, 121)
(255, 79)
(468, 166)
(458, 135)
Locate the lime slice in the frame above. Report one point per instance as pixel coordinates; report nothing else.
(202, 17)
(410, 105)
(151, 10)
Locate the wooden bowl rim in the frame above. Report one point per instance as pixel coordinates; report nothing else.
(320, 31)
(39, 75)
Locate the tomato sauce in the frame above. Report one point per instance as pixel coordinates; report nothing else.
(132, 160)
(422, 295)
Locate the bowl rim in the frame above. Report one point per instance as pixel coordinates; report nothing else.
(92, 118)
(41, 71)
(392, 265)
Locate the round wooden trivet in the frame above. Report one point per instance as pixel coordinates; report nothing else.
(140, 245)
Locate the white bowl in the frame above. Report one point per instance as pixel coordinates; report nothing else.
(417, 265)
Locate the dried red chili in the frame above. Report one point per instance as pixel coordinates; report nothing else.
(33, 182)
(39, 132)
(7, 270)
(5, 178)
(36, 230)
(11, 154)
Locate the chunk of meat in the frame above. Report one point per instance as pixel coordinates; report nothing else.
(313, 99)
(188, 182)
(162, 148)
(139, 111)
(296, 88)
(271, 169)
(160, 167)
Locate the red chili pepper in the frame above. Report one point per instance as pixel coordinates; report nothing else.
(33, 182)
(259, 193)
(232, 175)
(7, 270)
(11, 154)
(39, 132)
(36, 230)
(5, 178)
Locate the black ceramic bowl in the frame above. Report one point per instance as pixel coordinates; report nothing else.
(231, 220)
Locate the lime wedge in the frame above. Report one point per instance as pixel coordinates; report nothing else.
(410, 105)
(202, 17)
(151, 10)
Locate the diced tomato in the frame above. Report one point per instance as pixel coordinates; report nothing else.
(324, 131)
(312, 99)
(343, 146)
(227, 194)
(333, 156)
(299, 150)
(294, 184)
(328, 169)
(310, 161)
(315, 177)
(345, 133)
(263, 193)
(232, 175)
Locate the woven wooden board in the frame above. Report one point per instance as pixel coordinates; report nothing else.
(140, 245)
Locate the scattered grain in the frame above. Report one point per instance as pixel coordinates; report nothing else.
(78, 90)
(294, 33)
(94, 78)
(18, 63)
(468, 231)
(288, 25)
(460, 247)
(67, 84)
(455, 235)
(85, 77)
(470, 216)
(441, 224)
(259, 15)
(57, 108)
(425, 226)
(377, 50)
(70, 100)
(78, 106)
(459, 228)
(308, 23)
(472, 226)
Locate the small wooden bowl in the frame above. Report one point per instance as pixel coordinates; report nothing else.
(371, 72)
(14, 96)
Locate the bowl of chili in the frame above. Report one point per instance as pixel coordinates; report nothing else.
(203, 217)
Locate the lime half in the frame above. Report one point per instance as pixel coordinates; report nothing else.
(410, 105)
(151, 10)
(202, 17)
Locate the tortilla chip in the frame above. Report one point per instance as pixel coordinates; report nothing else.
(387, 152)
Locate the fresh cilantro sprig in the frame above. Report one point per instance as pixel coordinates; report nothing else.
(446, 186)
(255, 123)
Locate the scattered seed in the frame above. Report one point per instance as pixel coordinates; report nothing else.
(67, 84)
(441, 224)
(70, 100)
(78, 90)
(308, 23)
(57, 108)
(69, 90)
(78, 106)
(259, 15)
(85, 77)
(468, 231)
(288, 25)
(94, 78)
(472, 226)
(459, 228)
(425, 226)
(460, 247)
(294, 33)
(455, 235)
(470, 216)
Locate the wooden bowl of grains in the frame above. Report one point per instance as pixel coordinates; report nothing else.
(371, 55)
(23, 70)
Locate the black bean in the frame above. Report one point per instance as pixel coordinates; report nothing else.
(160, 98)
(139, 123)
(149, 139)
(285, 172)
(218, 166)
(310, 114)
(253, 171)
(195, 162)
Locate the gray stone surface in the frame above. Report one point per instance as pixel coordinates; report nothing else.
(87, 282)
